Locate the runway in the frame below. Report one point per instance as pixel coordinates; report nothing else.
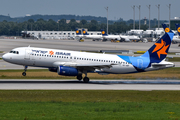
(142, 85)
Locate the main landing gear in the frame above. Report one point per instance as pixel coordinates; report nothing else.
(25, 69)
(85, 79)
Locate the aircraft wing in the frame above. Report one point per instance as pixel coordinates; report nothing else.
(84, 66)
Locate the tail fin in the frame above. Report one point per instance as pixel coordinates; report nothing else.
(159, 50)
(166, 29)
(178, 28)
(155, 54)
(84, 32)
(78, 32)
(103, 33)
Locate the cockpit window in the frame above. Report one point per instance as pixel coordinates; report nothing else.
(14, 52)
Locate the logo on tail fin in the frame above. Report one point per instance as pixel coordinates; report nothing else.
(178, 29)
(160, 48)
(103, 32)
(77, 31)
(167, 30)
(84, 31)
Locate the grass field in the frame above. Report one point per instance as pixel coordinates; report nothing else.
(170, 73)
(111, 105)
(88, 105)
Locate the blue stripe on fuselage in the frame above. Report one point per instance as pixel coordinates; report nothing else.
(141, 62)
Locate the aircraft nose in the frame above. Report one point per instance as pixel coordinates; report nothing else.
(4, 57)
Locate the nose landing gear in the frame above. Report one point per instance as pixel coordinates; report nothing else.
(25, 69)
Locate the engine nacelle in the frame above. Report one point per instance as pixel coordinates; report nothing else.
(67, 71)
(53, 69)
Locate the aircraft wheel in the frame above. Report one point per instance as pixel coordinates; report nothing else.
(24, 73)
(79, 77)
(86, 79)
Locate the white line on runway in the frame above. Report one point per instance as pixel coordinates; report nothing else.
(143, 85)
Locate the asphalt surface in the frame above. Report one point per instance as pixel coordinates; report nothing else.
(88, 45)
(142, 85)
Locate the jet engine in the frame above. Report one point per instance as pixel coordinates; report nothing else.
(67, 71)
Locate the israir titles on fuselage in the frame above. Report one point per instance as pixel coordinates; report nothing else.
(73, 63)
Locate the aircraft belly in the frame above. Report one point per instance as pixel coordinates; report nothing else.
(120, 69)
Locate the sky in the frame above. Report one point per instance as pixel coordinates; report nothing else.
(116, 8)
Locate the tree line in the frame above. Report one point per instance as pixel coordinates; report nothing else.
(15, 28)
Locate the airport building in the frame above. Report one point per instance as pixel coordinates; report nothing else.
(54, 34)
(173, 21)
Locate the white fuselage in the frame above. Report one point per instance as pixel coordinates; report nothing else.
(99, 37)
(40, 57)
(91, 62)
(112, 37)
(176, 38)
(119, 37)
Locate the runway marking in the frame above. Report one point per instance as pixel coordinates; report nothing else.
(142, 85)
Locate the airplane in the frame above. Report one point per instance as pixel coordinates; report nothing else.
(119, 37)
(94, 37)
(178, 28)
(74, 63)
(176, 38)
(78, 34)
